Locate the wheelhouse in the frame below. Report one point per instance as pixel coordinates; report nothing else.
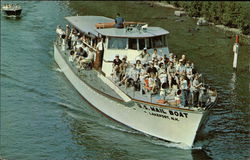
(128, 41)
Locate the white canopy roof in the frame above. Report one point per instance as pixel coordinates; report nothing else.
(87, 24)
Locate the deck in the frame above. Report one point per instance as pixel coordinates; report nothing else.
(94, 79)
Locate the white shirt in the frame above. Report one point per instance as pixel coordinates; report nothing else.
(74, 37)
(71, 58)
(195, 84)
(181, 68)
(184, 84)
(133, 73)
(99, 46)
(151, 82)
(189, 70)
(86, 49)
(59, 31)
(154, 56)
(143, 58)
(91, 55)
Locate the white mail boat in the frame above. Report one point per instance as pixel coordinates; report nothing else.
(165, 119)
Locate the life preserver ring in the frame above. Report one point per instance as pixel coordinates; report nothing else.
(105, 25)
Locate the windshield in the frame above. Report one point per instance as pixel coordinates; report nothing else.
(132, 43)
(117, 43)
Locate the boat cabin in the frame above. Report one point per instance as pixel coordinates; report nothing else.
(128, 41)
(12, 10)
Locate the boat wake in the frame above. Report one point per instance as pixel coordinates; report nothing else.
(174, 145)
(122, 130)
(68, 106)
(157, 141)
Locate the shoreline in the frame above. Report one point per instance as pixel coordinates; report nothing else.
(225, 29)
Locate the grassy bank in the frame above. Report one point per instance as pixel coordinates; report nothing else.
(230, 14)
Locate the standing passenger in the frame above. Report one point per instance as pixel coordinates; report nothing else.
(184, 91)
(119, 21)
(195, 89)
(100, 46)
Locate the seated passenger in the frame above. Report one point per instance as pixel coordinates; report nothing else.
(152, 83)
(144, 56)
(122, 68)
(138, 65)
(88, 61)
(155, 55)
(130, 77)
(162, 74)
(143, 75)
(156, 65)
(161, 60)
(85, 49)
(115, 65)
(72, 56)
(81, 52)
(90, 56)
(171, 72)
(151, 69)
(163, 90)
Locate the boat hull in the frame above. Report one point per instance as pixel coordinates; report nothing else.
(13, 12)
(167, 123)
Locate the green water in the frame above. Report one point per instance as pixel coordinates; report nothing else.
(43, 117)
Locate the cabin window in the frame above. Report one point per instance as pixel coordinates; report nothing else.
(141, 44)
(157, 42)
(117, 43)
(165, 40)
(148, 43)
(132, 43)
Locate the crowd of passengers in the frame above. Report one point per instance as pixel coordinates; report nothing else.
(159, 74)
(82, 50)
(151, 73)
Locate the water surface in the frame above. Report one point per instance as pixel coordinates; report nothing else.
(43, 116)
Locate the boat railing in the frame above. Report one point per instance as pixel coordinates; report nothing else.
(148, 96)
(89, 46)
